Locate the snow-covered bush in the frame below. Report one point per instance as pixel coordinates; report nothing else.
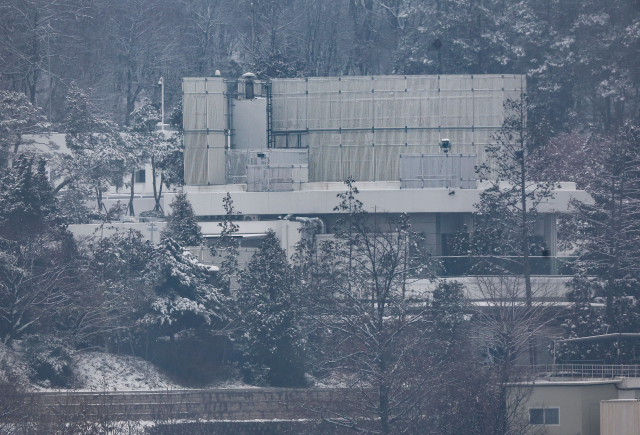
(49, 359)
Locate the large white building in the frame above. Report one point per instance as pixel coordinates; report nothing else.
(285, 146)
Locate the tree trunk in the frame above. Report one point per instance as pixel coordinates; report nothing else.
(133, 186)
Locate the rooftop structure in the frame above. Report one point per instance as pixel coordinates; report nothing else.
(350, 126)
(283, 147)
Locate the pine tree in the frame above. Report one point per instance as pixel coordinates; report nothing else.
(184, 298)
(182, 226)
(269, 332)
(609, 229)
(227, 245)
(508, 209)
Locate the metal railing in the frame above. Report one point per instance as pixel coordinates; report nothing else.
(584, 371)
(493, 265)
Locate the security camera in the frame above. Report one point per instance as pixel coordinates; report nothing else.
(445, 145)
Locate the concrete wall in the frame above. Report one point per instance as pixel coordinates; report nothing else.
(240, 404)
(579, 404)
(320, 198)
(288, 232)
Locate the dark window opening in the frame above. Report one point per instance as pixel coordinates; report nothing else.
(544, 416)
(248, 90)
(141, 176)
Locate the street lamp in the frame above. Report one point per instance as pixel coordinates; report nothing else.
(161, 83)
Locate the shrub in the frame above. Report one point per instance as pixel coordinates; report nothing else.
(49, 360)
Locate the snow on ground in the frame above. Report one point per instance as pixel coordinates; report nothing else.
(99, 371)
(12, 367)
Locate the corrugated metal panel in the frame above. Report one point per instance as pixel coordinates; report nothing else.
(619, 417)
(205, 121)
(238, 160)
(430, 171)
(465, 109)
(276, 178)
(361, 111)
(195, 158)
(216, 159)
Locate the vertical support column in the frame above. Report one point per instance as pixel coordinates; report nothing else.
(551, 239)
(438, 234)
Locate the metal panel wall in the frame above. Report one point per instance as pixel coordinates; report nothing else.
(205, 124)
(429, 171)
(276, 178)
(237, 161)
(358, 126)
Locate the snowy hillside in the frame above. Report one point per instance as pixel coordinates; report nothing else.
(100, 371)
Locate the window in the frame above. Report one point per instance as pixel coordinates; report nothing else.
(140, 176)
(547, 416)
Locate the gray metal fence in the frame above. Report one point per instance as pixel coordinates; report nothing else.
(584, 371)
(432, 171)
(237, 161)
(276, 178)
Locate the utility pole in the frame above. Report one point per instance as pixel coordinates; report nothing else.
(161, 83)
(253, 19)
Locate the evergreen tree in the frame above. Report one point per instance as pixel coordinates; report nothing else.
(508, 209)
(448, 306)
(184, 301)
(269, 333)
(118, 293)
(227, 246)
(18, 117)
(182, 226)
(39, 265)
(609, 230)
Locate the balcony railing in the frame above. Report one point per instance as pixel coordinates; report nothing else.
(583, 371)
(491, 265)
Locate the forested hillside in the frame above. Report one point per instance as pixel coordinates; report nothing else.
(580, 57)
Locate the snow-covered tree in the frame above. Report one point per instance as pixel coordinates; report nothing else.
(269, 332)
(182, 226)
(185, 301)
(166, 159)
(227, 246)
(140, 141)
(117, 293)
(38, 272)
(376, 336)
(609, 229)
(508, 209)
(98, 157)
(18, 117)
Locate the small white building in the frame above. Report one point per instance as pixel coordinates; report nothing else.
(574, 406)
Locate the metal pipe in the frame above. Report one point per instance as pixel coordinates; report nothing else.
(307, 220)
